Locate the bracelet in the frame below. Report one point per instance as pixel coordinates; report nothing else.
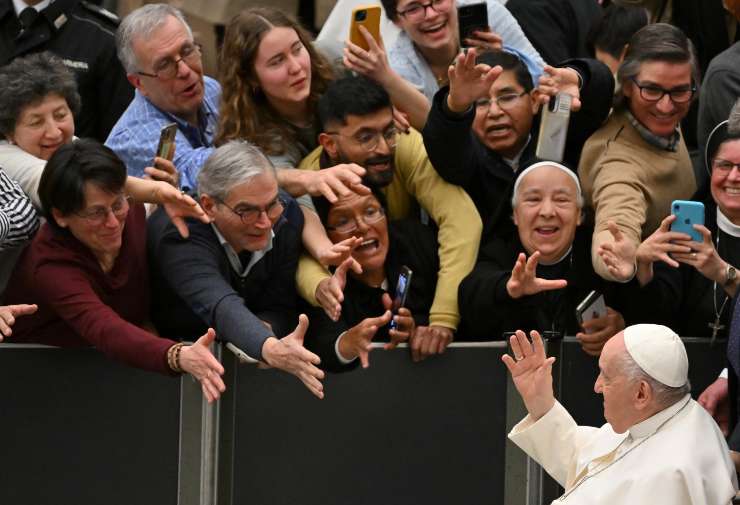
(173, 357)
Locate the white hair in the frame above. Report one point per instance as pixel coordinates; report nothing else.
(664, 395)
(231, 164)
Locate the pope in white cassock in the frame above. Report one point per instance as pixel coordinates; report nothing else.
(659, 445)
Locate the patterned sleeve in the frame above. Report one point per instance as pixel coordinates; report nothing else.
(18, 218)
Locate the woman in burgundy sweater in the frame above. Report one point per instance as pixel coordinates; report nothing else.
(87, 271)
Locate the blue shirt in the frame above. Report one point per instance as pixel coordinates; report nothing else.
(135, 136)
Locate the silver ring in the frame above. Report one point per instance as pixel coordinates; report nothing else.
(518, 358)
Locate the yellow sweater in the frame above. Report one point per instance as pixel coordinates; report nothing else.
(450, 207)
(630, 182)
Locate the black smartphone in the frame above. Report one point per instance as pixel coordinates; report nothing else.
(166, 147)
(402, 291)
(592, 307)
(471, 18)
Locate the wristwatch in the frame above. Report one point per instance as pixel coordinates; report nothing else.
(730, 275)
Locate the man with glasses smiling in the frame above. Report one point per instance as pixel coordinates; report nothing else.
(357, 127)
(163, 62)
(236, 274)
(637, 163)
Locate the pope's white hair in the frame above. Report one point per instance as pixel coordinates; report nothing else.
(665, 396)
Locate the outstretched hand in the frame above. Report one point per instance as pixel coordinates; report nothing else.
(469, 81)
(198, 361)
(178, 206)
(531, 371)
(618, 256)
(524, 280)
(330, 291)
(8, 314)
(340, 252)
(559, 80)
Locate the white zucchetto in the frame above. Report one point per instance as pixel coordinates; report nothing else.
(659, 352)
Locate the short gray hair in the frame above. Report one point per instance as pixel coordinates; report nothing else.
(665, 396)
(231, 164)
(142, 23)
(656, 42)
(28, 80)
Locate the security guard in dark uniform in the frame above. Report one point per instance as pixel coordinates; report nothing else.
(83, 36)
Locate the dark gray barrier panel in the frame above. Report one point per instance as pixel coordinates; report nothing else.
(397, 433)
(79, 429)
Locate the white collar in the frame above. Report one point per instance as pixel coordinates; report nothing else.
(19, 5)
(559, 259)
(234, 261)
(651, 424)
(514, 162)
(727, 226)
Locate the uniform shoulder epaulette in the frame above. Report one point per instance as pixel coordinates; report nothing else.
(98, 10)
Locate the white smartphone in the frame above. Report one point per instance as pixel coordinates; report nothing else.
(592, 307)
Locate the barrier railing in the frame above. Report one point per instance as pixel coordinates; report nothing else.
(81, 429)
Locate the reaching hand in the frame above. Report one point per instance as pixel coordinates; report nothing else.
(357, 341)
(428, 341)
(178, 206)
(405, 324)
(198, 361)
(330, 291)
(715, 399)
(468, 81)
(531, 372)
(289, 355)
(657, 248)
(559, 80)
(8, 313)
(164, 170)
(524, 280)
(484, 41)
(372, 63)
(596, 332)
(702, 255)
(341, 251)
(618, 256)
(336, 181)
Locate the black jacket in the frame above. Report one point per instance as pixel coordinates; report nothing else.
(461, 158)
(83, 35)
(411, 244)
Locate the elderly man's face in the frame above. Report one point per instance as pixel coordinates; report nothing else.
(547, 213)
(236, 219)
(182, 94)
(660, 117)
(618, 391)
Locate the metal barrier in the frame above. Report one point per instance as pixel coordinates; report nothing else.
(81, 429)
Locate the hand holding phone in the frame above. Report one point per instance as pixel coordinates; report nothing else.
(369, 17)
(472, 18)
(554, 128)
(402, 291)
(166, 147)
(688, 213)
(592, 307)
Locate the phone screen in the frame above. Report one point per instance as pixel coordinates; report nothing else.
(402, 291)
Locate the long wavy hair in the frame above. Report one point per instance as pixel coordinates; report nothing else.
(245, 111)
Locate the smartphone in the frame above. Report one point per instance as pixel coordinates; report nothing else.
(554, 128)
(166, 147)
(471, 18)
(688, 213)
(402, 291)
(369, 17)
(592, 307)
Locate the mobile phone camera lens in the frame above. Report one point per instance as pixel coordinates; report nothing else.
(687, 221)
(360, 16)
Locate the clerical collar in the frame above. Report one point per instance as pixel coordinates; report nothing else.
(233, 257)
(667, 144)
(19, 5)
(727, 226)
(651, 424)
(563, 257)
(514, 162)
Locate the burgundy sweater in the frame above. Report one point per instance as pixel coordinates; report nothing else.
(80, 305)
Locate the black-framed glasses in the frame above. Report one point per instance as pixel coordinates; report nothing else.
(369, 140)
(724, 165)
(167, 68)
(346, 224)
(504, 102)
(249, 214)
(98, 215)
(417, 11)
(652, 93)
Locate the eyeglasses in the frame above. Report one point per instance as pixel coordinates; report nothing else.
(651, 93)
(724, 165)
(249, 214)
(369, 140)
(346, 224)
(98, 215)
(418, 11)
(167, 68)
(504, 102)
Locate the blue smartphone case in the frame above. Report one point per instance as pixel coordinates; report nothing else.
(688, 213)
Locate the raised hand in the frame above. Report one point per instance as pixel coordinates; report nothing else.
(559, 80)
(658, 247)
(289, 355)
(357, 341)
(531, 372)
(618, 256)
(524, 280)
(198, 361)
(164, 170)
(596, 332)
(336, 181)
(372, 63)
(428, 341)
(485, 40)
(469, 81)
(8, 314)
(339, 252)
(330, 291)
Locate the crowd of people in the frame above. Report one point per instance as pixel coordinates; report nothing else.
(300, 189)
